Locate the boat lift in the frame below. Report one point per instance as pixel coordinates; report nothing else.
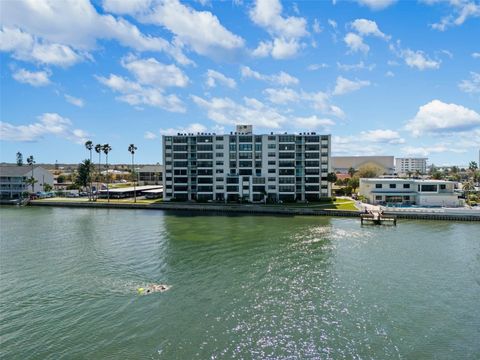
(377, 218)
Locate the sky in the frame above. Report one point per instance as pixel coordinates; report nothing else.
(383, 77)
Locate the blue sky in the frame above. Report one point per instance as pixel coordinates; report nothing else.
(383, 77)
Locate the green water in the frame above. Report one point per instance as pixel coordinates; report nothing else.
(243, 287)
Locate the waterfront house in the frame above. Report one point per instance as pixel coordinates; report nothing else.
(247, 167)
(409, 192)
(13, 180)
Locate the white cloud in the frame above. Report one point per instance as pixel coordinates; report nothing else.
(149, 135)
(471, 86)
(389, 74)
(332, 23)
(382, 136)
(285, 32)
(24, 46)
(126, 7)
(282, 96)
(225, 111)
(152, 77)
(74, 101)
(461, 11)
(316, 26)
(282, 78)
(476, 55)
(191, 128)
(353, 146)
(424, 151)
(48, 124)
(267, 14)
(368, 28)
(134, 94)
(151, 72)
(370, 142)
(62, 32)
(418, 59)
(360, 66)
(376, 4)
(34, 78)
(344, 86)
(355, 43)
(319, 101)
(439, 117)
(284, 48)
(263, 49)
(415, 59)
(313, 122)
(201, 31)
(214, 77)
(314, 67)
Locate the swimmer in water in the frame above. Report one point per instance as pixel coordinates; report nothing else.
(153, 289)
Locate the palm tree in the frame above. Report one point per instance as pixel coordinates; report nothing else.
(31, 162)
(19, 159)
(409, 173)
(132, 148)
(467, 187)
(98, 149)
(106, 149)
(89, 147)
(351, 172)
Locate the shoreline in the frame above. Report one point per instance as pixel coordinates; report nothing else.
(256, 209)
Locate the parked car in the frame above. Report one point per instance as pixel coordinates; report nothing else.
(72, 195)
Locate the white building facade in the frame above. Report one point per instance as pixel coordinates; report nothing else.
(406, 165)
(247, 167)
(409, 192)
(13, 180)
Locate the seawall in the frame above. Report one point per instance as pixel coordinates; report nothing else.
(253, 209)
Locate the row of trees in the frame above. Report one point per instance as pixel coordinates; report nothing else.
(31, 162)
(86, 168)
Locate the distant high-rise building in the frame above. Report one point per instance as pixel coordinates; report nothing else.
(248, 167)
(405, 165)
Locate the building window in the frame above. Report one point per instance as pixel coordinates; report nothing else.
(378, 186)
(378, 197)
(429, 188)
(406, 186)
(245, 147)
(393, 186)
(443, 186)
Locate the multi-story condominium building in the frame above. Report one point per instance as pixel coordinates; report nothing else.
(150, 174)
(13, 180)
(247, 167)
(341, 164)
(409, 192)
(410, 165)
